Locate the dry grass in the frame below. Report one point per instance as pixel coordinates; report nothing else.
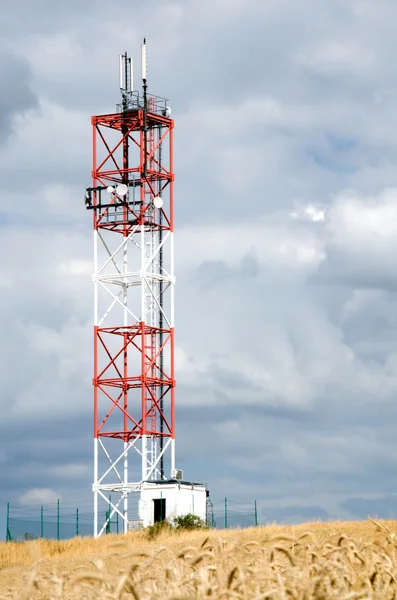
(343, 561)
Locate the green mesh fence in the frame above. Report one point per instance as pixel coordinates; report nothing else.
(61, 521)
(55, 521)
(229, 514)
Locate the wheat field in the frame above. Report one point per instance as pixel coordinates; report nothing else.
(343, 561)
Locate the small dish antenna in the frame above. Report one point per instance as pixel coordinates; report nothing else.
(110, 189)
(121, 189)
(158, 202)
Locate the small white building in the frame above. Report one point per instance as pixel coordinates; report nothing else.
(168, 499)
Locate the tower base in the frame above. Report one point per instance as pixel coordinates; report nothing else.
(169, 499)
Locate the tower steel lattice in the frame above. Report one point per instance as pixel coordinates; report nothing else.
(132, 203)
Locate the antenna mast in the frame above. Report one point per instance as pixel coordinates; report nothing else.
(145, 107)
(126, 79)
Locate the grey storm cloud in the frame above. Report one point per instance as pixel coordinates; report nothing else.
(16, 95)
(285, 318)
(362, 508)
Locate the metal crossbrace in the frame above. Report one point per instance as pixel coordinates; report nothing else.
(115, 509)
(167, 235)
(154, 465)
(152, 256)
(116, 299)
(122, 455)
(112, 464)
(153, 295)
(106, 313)
(131, 445)
(112, 256)
(108, 251)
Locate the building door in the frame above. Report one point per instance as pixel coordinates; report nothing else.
(159, 509)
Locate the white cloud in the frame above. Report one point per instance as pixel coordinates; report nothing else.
(269, 239)
(69, 471)
(309, 212)
(79, 267)
(367, 219)
(360, 240)
(361, 300)
(308, 354)
(39, 496)
(346, 55)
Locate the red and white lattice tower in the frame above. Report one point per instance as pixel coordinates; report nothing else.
(132, 203)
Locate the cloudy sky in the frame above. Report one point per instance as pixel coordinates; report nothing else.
(286, 309)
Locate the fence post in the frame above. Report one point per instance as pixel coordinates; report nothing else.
(58, 523)
(256, 515)
(77, 521)
(8, 534)
(225, 513)
(107, 516)
(41, 521)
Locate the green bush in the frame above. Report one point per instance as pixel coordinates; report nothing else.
(154, 530)
(189, 522)
(184, 523)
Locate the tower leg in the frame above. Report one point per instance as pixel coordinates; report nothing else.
(126, 483)
(172, 455)
(144, 457)
(95, 489)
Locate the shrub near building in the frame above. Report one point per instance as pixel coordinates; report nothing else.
(187, 522)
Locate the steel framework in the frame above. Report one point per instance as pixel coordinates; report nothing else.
(132, 202)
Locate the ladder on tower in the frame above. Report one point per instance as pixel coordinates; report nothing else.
(150, 347)
(151, 312)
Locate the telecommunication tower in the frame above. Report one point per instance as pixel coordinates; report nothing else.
(132, 200)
